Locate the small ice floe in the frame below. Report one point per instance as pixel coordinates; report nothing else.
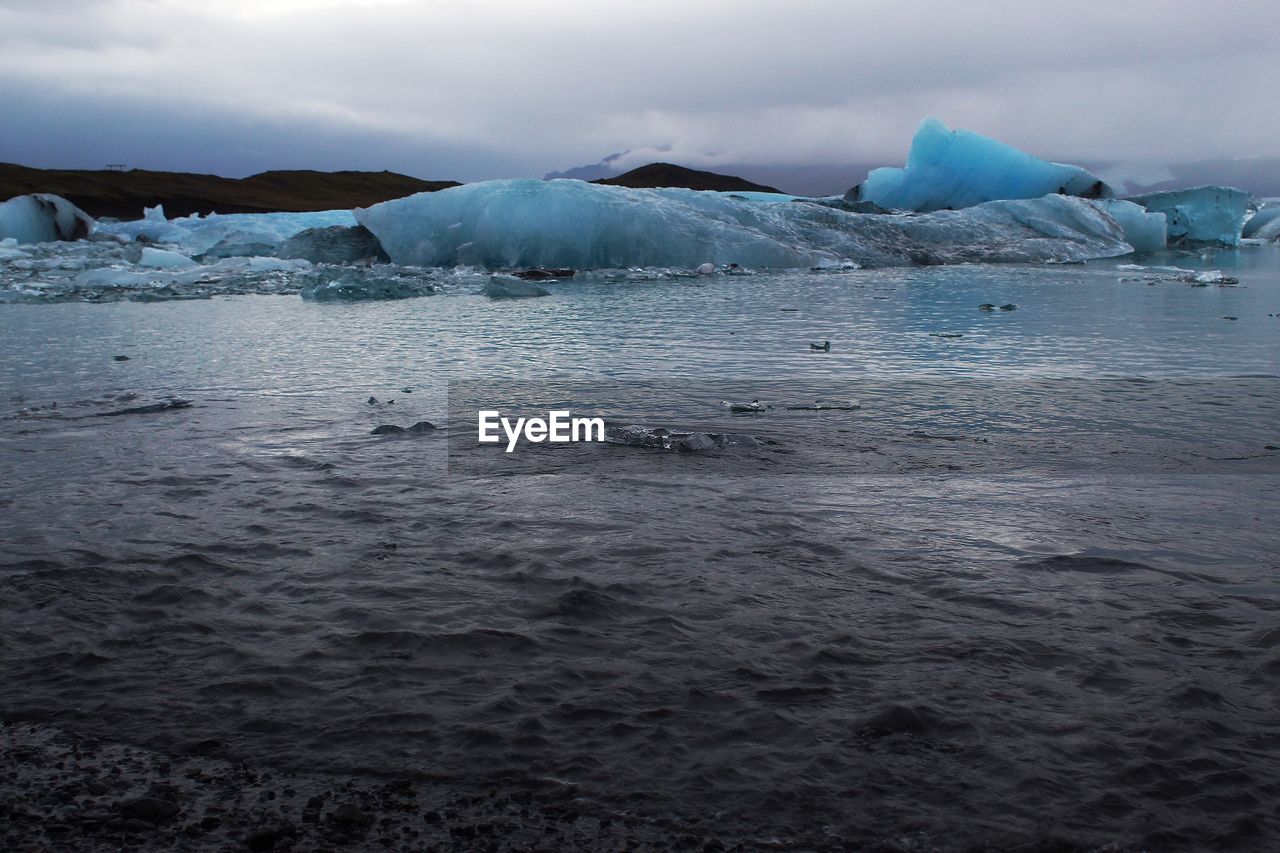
(1009, 307)
(825, 346)
(745, 408)
(509, 287)
(826, 406)
(706, 269)
(1213, 277)
(986, 306)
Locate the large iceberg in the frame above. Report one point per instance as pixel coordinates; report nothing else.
(1201, 214)
(952, 169)
(43, 218)
(1263, 225)
(531, 223)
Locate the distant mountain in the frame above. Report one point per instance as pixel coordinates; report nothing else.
(670, 175)
(604, 169)
(124, 194)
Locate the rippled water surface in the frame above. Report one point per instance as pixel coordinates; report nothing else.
(1026, 591)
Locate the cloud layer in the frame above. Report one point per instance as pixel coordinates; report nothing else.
(470, 89)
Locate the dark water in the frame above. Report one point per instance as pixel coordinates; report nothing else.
(1028, 591)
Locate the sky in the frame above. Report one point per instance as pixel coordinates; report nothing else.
(476, 89)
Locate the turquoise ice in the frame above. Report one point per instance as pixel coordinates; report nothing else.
(565, 223)
(951, 169)
(1201, 214)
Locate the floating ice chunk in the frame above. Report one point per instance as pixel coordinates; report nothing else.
(351, 284)
(154, 214)
(9, 250)
(1200, 214)
(510, 287)
(960, 168)
(164, 260)
(1143, 230)
(1263, 225)
(529, 223)
(43, 218)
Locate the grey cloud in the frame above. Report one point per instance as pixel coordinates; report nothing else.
(532, 87)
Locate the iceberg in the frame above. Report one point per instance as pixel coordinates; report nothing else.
(1200, 214)
(43, 218)
(548, 224)
(196, 235)
(953, 169)
(161, 259)
(1263, 225)
(511, 287)
(1144, 230)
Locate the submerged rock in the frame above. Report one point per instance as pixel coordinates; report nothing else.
(659, 438)
(420, 428)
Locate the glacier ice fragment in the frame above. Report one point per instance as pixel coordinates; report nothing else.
(1200, 214)
(1263, 225)
(952, 169)
(43, 218)
(1144, 230)
(510, 287)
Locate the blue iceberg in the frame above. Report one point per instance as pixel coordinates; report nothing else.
(1144, 230)
(1201, 214)
(949, 169)
(572, 224)
(43, 218)
(1263, 225)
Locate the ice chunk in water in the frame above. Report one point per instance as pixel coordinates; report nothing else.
(163, 260)
(529, 223)
(1145, 231)
(1264, 225)
(510, 287)
(1201, 214)
(43, 218)
(960, 168)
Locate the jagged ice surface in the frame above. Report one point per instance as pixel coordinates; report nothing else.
(530, 223)
(1201, 214)
(960, 168)
(197, 234)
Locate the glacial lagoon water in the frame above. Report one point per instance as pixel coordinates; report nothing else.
(1026, 592)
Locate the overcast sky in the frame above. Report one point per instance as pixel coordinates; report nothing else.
(473, 89)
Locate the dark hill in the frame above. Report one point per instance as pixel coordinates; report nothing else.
(668, 175)
(124, 194)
